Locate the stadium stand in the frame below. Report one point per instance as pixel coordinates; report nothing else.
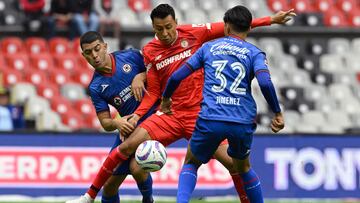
(312, 75)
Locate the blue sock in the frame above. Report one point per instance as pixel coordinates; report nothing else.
(146, 190)
(113, 199)
(187, 182)
(252, 186)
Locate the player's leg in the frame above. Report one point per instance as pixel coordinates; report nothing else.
(143, 180)
(239, 149)
(116, 157)
(110, 192)
(189, 120)
(203, 137)
(222, 156)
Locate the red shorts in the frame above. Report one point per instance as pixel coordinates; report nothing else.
(169, 128)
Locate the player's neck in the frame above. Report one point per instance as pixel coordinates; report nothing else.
(241, 36)
(107, 68)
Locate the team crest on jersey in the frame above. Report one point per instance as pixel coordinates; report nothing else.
(126, 68)
(117, 101)
(184, 43)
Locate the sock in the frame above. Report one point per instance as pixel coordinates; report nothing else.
(252, 186)
(187, 182)
(113, 199)
(239, 186)
(146, 190)
(114, 159)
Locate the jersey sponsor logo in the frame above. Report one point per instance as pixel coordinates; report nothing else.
(225, 48)
(117, 101)
(172, 59)
(126, 68)
(184, 43)
(104, 86)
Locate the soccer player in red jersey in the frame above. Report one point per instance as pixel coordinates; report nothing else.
(171, 47)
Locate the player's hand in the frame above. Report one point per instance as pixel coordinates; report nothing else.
(282, 17)
(277, 123)
(138, 86)
(124, 126)
(133, 119)
(165, 105)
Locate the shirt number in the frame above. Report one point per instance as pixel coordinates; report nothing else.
(234, 87)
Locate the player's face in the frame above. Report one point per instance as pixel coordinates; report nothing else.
(165, 29)
(95, 53)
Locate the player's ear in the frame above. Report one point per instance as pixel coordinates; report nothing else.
(176, 21)
(105, 46)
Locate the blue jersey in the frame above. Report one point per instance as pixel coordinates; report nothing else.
(115, 88)
(230, 65)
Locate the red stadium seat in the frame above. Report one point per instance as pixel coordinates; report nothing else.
(302, 6)
(323, 5)
(73, 119)
(36, 45)
(92, 121)
(59, 76)
(76, 46)
(2, 61)
(139, 5)
(36, 77)
(335, 18)
(83, 77)
(59, 45)
(67, 62)
(48, 90)
(11, 76)
(84, 106)
(42, 61)
(346, 5)
(354, 17)
(11, 45)
(18, 61)
(61, 105)
(277, 5)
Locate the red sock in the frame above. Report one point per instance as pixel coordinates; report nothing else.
(114, 159)
(239, 186)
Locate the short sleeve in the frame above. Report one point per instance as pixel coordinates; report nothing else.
(99, 103)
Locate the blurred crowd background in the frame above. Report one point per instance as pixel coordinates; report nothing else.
(314, 59)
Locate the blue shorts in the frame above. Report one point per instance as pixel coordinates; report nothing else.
(208, 135)
(124, 168)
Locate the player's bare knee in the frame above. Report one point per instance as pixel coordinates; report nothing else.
(137, 172)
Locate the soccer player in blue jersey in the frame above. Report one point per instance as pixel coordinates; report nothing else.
(112, 84)
(228, 109)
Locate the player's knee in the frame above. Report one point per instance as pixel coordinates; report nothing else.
(126, 148)
(137, 172)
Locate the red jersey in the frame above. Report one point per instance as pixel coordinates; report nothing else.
(163, 60)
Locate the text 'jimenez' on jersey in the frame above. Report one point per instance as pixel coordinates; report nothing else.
(230, 65)
(115, 88)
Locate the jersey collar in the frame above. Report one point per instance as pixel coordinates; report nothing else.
(113, 67)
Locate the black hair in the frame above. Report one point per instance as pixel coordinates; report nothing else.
(162, 11)
(239, 18)
(90, 37)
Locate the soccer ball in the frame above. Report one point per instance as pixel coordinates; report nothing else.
(151, 155)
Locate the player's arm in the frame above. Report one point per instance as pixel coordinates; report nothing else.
(216, 30)
(118, 123)
(138, 83)
(267, 88)
(104, 116)
(150, 98)
(138, 86)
